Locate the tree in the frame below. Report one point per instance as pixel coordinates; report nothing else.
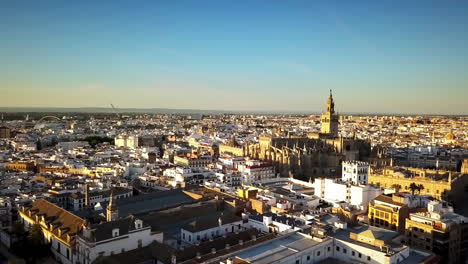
(420, 188)
(35, 235)
(413, 187)
(17, 228)
(96, 140)
(33, 248)
(38, 144)
(397, 187)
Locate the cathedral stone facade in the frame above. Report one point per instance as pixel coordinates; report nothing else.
(314, 155)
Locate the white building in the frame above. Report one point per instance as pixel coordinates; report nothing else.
(112, 238)
(269, 223)
(356, 172)
(231, 162)
(230, 179)
(126, 141)
(370, 245)
(65, 146)
(294, 248)
(181, 175)
(208, 228)
(254, 170)
(337, 192)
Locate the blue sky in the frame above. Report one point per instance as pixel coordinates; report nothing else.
(377, 56)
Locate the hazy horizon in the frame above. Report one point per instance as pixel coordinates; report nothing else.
(109, 110)
(395, 57)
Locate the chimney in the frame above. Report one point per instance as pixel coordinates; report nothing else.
(229, 261)
(213, 250)
(241, 242)
(227, 246)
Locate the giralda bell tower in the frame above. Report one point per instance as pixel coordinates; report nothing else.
(329, 119)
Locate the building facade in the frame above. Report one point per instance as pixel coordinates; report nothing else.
(437, 183)
(356, 172)
(438, 230)
(193, 162)
(388, 212)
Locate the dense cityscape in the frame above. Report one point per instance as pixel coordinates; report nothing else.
(233, 132)
(233, 188)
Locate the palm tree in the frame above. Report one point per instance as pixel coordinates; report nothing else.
(413, 187)
(397, 187)
(420, 188)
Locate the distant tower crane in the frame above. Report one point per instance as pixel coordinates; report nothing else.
(115, 111)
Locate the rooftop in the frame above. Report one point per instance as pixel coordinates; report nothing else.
(277, 249)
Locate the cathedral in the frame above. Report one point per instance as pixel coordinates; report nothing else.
(313, 155)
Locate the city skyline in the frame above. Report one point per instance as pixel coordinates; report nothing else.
(394, 57)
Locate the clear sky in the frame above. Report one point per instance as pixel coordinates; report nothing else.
(377, 56)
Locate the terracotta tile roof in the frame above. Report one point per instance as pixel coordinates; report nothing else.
(63, 222)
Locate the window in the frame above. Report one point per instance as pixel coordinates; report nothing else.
(368, 258)
(308, 257)
(360, 255)
(328, 249)
(337, 248)
(140, 243)
(68, 253)
(297, 261)
(183, 235)
(318, 253)
(345, 250)
(352, 253)
(58, 246)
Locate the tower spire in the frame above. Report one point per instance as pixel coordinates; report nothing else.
(112, 210)
(111, 199)
(329, 119)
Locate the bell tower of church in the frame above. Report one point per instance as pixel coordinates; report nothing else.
(112, 210)
(329, 119)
